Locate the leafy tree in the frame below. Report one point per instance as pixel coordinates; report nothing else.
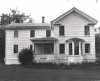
(13, 16)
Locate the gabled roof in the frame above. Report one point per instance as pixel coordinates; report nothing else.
(28, 26)
(93, 21)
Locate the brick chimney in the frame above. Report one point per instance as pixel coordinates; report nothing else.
(43, 19)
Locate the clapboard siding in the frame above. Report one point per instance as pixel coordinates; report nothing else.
(23, 41)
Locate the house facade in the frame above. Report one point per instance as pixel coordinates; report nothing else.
(70, 38)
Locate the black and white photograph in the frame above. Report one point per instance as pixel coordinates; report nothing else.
(50, 40)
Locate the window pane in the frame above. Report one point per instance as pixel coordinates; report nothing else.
(16, 33)
(32, 33)
(70, 48)
(61, 30)
(62, 48)
(15, 48)
(87, 30)
(44, 48)
(48, 33)
(76, 48)
(87, 48)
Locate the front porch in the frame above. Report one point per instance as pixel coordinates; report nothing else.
(46, 51)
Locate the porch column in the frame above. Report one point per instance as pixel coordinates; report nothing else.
(79, 48)
(73, 48)
(66, 48)
(83, 48)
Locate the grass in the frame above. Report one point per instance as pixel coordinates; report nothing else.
(20, 73)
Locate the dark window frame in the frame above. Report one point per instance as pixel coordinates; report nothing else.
(61, 30)
(32, 33)
(15, 48)
(15, 33)
(87, 47)
(76, 48)
(48, 33)
(87, 30)
(70, 49)
(61, 48)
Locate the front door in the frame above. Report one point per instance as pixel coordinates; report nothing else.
(74, 48)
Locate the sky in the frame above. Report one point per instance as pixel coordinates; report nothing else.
(51, 9)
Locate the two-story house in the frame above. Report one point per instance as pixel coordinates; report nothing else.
(70, 38)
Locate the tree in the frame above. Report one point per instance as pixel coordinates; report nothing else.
(26, 56)
(13, 16)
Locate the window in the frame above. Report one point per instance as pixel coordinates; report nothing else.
(62, 48)
(61, 30)
(44, 48)
(70, 49)
(87, 30)
(16, 48)
(87, 48)
(31, 47)
(32, 33)
(48, 33)
(16, 33)
(76, 48)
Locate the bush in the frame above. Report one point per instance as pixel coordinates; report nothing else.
(26, 56)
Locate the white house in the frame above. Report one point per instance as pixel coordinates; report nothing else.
(70, 38)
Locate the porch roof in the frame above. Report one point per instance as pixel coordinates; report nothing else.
(44, 39)
(75, 40)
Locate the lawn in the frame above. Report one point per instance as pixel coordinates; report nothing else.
(20, 73)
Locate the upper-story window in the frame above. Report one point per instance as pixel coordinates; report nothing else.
(32, 33)
(48, 33)
(87, 30)
(16, 33)
(61, 30)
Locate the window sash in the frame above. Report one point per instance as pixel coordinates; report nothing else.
(16, 33)
(70, 49)
(62, 48)
(87, 30)
(48, 33)
(32, 33)
(31, 47)
(87, 48)
(76, 48)
(61, 30)
(15, 48)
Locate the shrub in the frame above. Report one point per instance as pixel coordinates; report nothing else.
(26, 56)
